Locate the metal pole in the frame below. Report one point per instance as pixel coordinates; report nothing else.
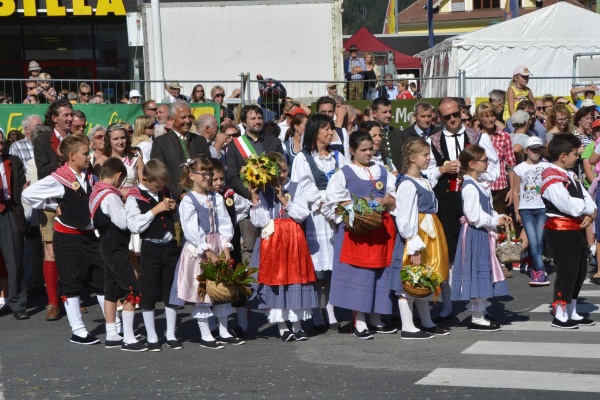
(461, 83)
(159, 72)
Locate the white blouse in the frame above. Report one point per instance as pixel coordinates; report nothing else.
(407, 221)
(471, 208)
(296, 209)
(193, 233)
(378, 159)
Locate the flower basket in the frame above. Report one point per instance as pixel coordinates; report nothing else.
(219, 291)
(420, 281)
(259, 171)
(362, 215)
(508, 249)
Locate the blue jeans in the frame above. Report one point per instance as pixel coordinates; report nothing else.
(533, 222)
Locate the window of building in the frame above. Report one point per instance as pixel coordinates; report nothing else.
(485, 4)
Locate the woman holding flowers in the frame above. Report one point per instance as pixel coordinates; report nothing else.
(313, 167)
(423, 235)
(285, 287)
(360, 280)
(208, 230)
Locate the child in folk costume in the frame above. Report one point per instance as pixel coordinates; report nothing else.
(285, 287)
(75, 244)
(315, 165)
(238, 209)
(419, 226)
(108, 213)
(477, 273)
(208, 230)
(360, 280)
(150, 212)
(570, 209)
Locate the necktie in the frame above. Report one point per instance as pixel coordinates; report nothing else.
(457, 148)
(183, 143)
(386, 141)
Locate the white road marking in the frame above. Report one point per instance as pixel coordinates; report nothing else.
(535, 349)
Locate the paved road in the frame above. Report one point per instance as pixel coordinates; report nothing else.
(524, 360)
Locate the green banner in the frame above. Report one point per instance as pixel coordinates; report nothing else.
(402, 110)
(11, 115)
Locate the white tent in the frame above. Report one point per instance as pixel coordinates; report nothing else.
(545, 41)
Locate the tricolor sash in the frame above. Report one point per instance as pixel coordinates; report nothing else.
(244, 146)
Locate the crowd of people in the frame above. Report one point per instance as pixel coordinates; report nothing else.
(133, 210)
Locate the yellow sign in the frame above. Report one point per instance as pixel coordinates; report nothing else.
(55, 9)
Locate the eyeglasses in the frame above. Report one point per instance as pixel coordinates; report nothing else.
(219, 95)
(31, 87)
(467, 119)
(562, 119)
(78, 126)
(540, 108)
(485, 160)
(204, 175)
(129, 131)
(453, 115)
(85, 93)
(535, 149)
(172, 88)
(150, 127)
(531, 113)
(597, 117)
(152, 109)
(98, 137)
(587, 118)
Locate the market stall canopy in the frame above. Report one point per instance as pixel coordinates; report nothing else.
(366, 41)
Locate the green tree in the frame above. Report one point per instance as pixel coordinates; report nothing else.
(367, 13)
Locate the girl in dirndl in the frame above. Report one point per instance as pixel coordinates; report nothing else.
(477, 273)
(360, 280)
(285, 288)
(422, 240)
(208, 230)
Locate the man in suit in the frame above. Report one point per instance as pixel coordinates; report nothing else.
(423, 127)
(12, 225)
(391, 147)
(178, 145)
(59, 118)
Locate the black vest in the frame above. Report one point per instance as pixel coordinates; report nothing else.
(575, 190)
(442, 188)
(319, 176)
(108, 229)
(161, 223)
(75, 207)
(338, 147)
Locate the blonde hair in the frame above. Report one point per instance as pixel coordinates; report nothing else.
(563, 109)
(139, 130)
(72, 143)
(484, 109)
(412, 147)
(368, 53)
(198, 164)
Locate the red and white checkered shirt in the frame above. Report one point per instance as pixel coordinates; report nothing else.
(503, 146)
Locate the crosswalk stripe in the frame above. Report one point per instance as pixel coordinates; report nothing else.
(581, 308)
(493, 378)
(545, 326)
(589, 293)
(566, 350)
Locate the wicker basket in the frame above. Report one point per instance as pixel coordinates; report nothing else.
(416, 292)
(509, 252)
(364, 223)
(219, 291)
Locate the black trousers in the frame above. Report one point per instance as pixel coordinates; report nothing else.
(570, 257)
(79, 263)
(449, 212)
(157, 263)
(11, 246)
(119, 276)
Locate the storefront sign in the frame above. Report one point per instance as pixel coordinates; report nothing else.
(54, 8)
(11, 115)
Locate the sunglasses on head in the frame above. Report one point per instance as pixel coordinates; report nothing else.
(152, 109)
(453, 115)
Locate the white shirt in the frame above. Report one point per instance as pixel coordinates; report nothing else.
(145, 148)
(558, 195)
(531, 183)
(4, 181)
(138, 222)
(493, 171)
(112, 207)
(471, 208)
(284, 127)
(407, 221)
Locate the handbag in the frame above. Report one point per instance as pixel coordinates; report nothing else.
(509, 251)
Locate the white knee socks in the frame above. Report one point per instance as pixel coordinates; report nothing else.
(406, 314)
(129, 336)
(74, 316)
(572, 311)
(148, 316)
(171, 313)
(205, 329)
(223, 332)
(296, 326)
(422, 306)
(478, 311)
(361, 323)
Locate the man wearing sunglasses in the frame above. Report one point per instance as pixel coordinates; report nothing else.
(442, 172)
(535, 127)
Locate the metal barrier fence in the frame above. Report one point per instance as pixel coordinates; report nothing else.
(305, 91)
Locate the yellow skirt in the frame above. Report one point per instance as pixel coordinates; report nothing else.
(435, 253)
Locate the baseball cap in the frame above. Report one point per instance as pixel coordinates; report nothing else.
(295, 111)
(588, 103)
(533, 141)
(174, 85)
(596, 123)
(521, 70)
(519, 117)
(134, 93)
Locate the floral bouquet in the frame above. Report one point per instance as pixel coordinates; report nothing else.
(508, 248)
(362, 215)
(420, 281)
(222, 280)
(259, 171)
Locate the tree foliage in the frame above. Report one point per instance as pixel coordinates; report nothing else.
(367, 13)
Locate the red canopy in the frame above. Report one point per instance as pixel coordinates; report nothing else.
(366, 41)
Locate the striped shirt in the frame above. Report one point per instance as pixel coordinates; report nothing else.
(22, 149)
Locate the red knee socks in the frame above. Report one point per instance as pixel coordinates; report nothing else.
(51, 279)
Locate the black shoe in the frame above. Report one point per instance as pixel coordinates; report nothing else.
(156, 346)
(215, 333)
(416, 335)
(386, 329)
(301, 336)
(137, 346)
(436, 330)
(492, 327)
(174, 344)
(438, 319)
(288, 336)
(364, 335)
(232, 340)
(334, 327)
(489, 317)
(321, 328)
(89, 339)
(568, 324)
(595, 279)
(238, 332)
(211, 344)
(21, 315)
(112, 344)
(584, 322)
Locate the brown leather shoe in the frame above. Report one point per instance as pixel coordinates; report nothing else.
(507, 273)
(83, 310)
(53, 313)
